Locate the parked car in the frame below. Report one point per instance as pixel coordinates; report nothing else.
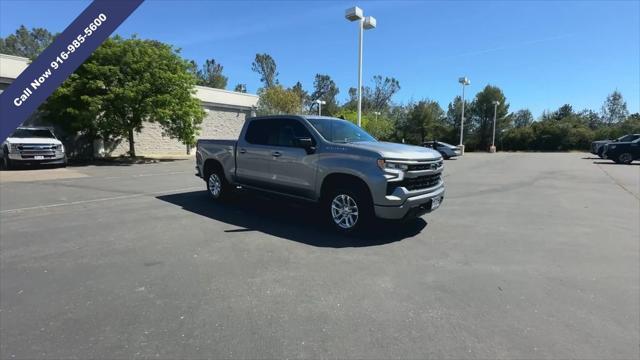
(331, 161)
(597, 147)
(32, 146)
(622, 152)
(447, 151)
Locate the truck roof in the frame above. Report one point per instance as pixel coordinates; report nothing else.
(295, 115)
(33, 128)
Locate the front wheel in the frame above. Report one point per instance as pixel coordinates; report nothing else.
(6, 162)
(349, 210)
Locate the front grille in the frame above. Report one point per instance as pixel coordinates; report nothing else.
(417, 183)
(427, 166)
(29, 151)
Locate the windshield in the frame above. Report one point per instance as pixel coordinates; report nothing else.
(627, 138)
(340, 131)
(33, 133)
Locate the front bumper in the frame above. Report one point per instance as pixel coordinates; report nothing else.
(46, 160)
(412, 207)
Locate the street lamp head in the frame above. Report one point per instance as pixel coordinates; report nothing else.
(464, 81)
(354, 14)
(321, 102)
(496, 102)
(369, 23)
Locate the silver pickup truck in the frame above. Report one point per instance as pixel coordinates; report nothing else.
(327, 160)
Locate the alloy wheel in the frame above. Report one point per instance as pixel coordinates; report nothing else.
(215, 185)
(344, 211)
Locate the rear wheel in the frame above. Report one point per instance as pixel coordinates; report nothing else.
(217, 185)
(624, 158)
(348, 210)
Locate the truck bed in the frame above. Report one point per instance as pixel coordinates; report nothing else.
(221, 150)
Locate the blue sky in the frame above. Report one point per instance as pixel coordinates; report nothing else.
(541, 53)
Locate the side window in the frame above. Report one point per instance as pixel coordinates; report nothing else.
(275, 132)
(261, 132)
(289, 131)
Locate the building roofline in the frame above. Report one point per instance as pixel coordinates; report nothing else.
(14, 57)
(226, 91)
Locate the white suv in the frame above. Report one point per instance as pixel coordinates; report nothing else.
(32, 145)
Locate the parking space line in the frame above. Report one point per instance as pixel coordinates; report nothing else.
(617, 182)
(93, 177)
(41, 207)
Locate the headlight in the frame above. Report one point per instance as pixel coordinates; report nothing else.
(13, 148)
(59, 147)
(610, 147)
(382, 164)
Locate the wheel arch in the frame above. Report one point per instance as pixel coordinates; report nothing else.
(340, 179)
(209, 166)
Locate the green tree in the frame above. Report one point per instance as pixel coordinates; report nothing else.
(380, 127)
(241, 88)
(302, 94)
(521, 118)
(265, 66)
(123, 84)
(278, 100)
(614, 109)
(324, 88)
(376, 99)
(591, 118)
(427, 121)
(564, 111)
(26, 43)
(454, 114)
(211, 75)
(379, 99)
(482, 110)
(399, 116)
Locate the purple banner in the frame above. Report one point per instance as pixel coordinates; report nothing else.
(67, 52)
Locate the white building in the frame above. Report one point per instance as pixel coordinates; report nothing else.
(225, 115)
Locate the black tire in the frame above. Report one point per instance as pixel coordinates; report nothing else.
(6, 162)
(601, 152)
(223, 190)
(350, 195)
(624, 158)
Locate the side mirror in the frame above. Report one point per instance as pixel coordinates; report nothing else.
(305, 143)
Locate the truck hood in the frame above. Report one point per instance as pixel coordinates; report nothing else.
(13, 140)
(389, 150)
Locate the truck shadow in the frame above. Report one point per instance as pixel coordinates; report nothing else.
(295, 221)
(615, 164)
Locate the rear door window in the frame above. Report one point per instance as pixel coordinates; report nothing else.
(262, 132)
(276, 132)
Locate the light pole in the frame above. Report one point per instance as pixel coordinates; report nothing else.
(364, 23)
(376, 113)
(493, 140)
(464, 81)
(320, 103)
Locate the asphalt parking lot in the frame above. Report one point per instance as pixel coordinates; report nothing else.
(530, 256)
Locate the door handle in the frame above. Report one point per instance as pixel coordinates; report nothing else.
(242, 151)
(276, 153)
